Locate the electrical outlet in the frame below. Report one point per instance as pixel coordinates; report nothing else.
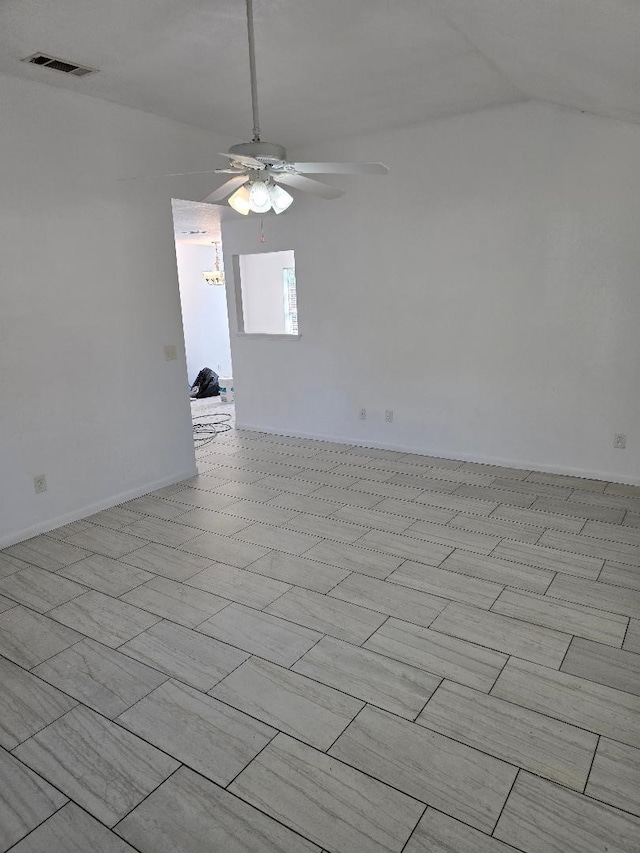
(170, 353)
(388, 416)
(40, 484)
(620, 441)
(363, 414)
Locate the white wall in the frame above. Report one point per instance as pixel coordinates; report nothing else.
(486, 291)
(263, 291)
(204, 312)
(88, 300)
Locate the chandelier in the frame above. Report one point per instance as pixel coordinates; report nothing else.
(215, 276)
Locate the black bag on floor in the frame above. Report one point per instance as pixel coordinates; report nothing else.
(206, 384)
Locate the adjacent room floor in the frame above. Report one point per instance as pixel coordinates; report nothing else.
(211, 418)
(316, 647)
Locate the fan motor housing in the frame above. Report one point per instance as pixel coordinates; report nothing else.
(266, 152)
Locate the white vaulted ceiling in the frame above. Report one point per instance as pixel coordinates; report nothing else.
(331, 68)
(583, 54)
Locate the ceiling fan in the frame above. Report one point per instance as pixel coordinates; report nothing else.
(260, 169)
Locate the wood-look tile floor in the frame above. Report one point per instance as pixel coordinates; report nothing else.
(318, 647)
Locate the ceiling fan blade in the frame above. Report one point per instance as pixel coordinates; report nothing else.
(226, 189)
(341, 168)
(298, 182)
(251, 162)
(170, 175)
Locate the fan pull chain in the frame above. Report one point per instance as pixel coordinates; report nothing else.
(263, 239)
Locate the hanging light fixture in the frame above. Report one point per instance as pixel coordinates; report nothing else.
(215, 276)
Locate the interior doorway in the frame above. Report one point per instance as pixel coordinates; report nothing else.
(205, 318)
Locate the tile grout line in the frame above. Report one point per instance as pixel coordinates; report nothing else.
(548, 715)
(497, 678)
(593, 758)
(47, 659)
(564, 603)
(291, 669)
(495, 826)
(411, 834)
(565, 655)
(592, 606)
(352, 720)
(173, 772)
(362, 644)
(271, 603)
(42, 822)
(421, 711)
(251, 760)
(336, 585)
(626, 631)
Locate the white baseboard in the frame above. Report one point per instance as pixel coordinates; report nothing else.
(83, 512)
(585, 473)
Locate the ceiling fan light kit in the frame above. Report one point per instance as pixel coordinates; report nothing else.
(260, 198)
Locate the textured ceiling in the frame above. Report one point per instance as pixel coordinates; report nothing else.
(194, 222)
(331, 68)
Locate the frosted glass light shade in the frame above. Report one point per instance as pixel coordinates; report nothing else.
(259, 197)
(280, 199)
(239, 201)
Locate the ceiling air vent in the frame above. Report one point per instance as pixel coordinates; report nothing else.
(59, 64)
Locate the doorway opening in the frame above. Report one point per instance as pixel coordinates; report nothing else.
(205, 319)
